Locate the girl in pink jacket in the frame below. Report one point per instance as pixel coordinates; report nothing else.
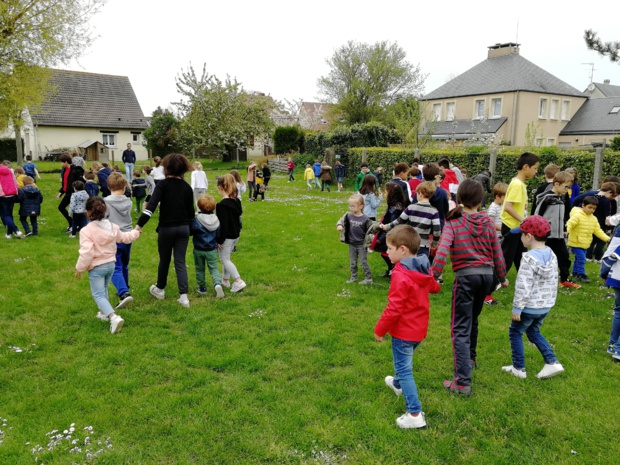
(98, 256)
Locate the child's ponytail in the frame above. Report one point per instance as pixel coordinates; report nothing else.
(469, 194)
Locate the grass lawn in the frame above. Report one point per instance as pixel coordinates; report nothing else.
(285, 372)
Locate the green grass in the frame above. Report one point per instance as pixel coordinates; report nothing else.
(286, 372)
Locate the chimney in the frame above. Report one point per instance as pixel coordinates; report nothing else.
(500, 50)
(606, 81)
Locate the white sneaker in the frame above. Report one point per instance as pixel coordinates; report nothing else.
(219, 292)
(116, 324)
(389, 382)
(102, 316)
(366, 281)
(519, 373)
(183, 300)
(225, 283)
(409, 421)
(19, 235)
(550, 370)
(238, 286)
(8, 236)
(157, 292)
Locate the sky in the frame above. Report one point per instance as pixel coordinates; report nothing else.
(280, 48)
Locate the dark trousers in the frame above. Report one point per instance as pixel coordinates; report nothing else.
(558, 246)
(512, 248)
(468, 296)
(33, 221)
(78, 222)
(595, 251)
(62, 207)
(325, 184)
(172, 242)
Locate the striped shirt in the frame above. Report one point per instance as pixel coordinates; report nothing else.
(473, 245)
(425, 220)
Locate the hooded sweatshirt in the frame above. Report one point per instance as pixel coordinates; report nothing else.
(407, 312)
(8, 183)
(473, 246)
(119, 211)
(610, 268)
(536, 287)
(228, 211)
(30, 199)
(206, 227)
(98, 244)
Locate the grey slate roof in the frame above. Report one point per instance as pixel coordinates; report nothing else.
(608, 90)
(507, 73)
(593, 118)
(464, 128)
(91, 100)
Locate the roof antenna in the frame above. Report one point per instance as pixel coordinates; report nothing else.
(517, 36)
(591, 71)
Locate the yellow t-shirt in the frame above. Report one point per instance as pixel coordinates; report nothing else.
(517, 194)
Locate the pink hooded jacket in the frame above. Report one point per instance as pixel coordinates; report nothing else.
(98, 244)
(8, 183)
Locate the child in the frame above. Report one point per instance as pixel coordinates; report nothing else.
(158, 170)
(353, 227)
(514, 208)
(9, 192)
(30, 200)
(406, 316)
(251, 180)
(20, 175)
(31, 169)
(536, 289)
(316, 169)
(364, 170)
(72, 170)
(581, 225)
(266, 175)
(326, 176)
(176, 213)
(470, 238)
(309, 176)
(90, 186)
(371, 201)
(575, 189)
(439, 200)
(494, 211)
(550, 171)
(400, 178)
(77, 208)
(97, 249)
(413, 181)
(205, 230)
(150, 182)
(450, 181)
(290, 167)
(240, 184)
(118, 211)
(379, 176)
(228, 211)
(395, 200)
(551, 206)
(610, 272)
(138, 190)
(102, 171)
(422, 216)
(198, 181)
(340, 174)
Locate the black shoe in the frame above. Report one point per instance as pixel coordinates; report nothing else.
(582, 277)
(68, 230)
(126, 299)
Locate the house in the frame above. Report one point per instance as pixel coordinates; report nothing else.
(505, 98)
(604, 90)
(87, 108)
(315, 115)
(596, 123)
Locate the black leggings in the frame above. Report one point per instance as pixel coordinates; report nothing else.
(172, 241)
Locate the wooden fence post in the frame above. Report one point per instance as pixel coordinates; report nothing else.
(364, 155)
(492, 163)
(598, 166)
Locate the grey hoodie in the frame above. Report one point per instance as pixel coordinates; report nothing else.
(119, 211)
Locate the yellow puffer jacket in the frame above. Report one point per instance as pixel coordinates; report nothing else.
(580, 228)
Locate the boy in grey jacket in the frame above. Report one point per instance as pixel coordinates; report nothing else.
(536, 289)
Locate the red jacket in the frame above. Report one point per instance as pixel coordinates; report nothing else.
(407, 311)
(450, 178)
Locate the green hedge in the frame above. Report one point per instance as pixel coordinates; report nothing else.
(8, 149)
(287, 138)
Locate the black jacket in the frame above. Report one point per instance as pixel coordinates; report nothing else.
(229, 212)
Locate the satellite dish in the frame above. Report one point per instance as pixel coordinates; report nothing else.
(591, 87)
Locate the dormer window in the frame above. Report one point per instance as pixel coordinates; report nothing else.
(615, 110)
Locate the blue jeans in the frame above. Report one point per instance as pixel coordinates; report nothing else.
(579, 267)
(129, 172)
(6, 211)
(120, 278)
(402, 352)
(530, 325)
(614, 337)
(99, 278)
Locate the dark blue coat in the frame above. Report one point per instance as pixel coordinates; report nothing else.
(30, 199)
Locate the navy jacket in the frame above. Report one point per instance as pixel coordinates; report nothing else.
(30, 199)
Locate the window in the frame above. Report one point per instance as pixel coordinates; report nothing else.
(564, 144)
(135, 138)
(553, 110)
(565, 109)
(437, 111)
(479, 109)
(109, 140)
(614, 110)
(542, 108)
(450, 111)
(550, 141)
(539, 141)
(496, 107)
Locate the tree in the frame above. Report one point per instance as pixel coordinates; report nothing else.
(406, 116)
(608, 49)
(220, 114)
(366, 78)
(163, 134)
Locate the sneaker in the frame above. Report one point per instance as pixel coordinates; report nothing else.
(550, 370)
(610, 349)
(72, 236)
(157, 292)
(19, 235)
(126, 299)
(351, 280)
(389, 382)
(408, 421)
(116, 324)
(102, 316)
(570, 285)
(238, 286)
(202, 290)
(8, 236)
(518, 372)
(366, 281)
(219, 292)
(225, 283)
(616, 355)
(68, 230)
(581, 277)
(488, 300)
(440, 279)
(183, 300)
(29, 233)
(453, 387)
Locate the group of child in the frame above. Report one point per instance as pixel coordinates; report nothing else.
(482, 246)
(323, 172)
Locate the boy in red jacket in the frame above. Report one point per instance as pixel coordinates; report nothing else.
(406, 316)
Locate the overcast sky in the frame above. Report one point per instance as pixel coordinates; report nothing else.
(279, 47)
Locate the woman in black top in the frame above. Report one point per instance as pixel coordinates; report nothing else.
(175, 198)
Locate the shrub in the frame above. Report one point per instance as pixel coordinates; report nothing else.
(615, 144)
(287, 138)
(8, 149)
